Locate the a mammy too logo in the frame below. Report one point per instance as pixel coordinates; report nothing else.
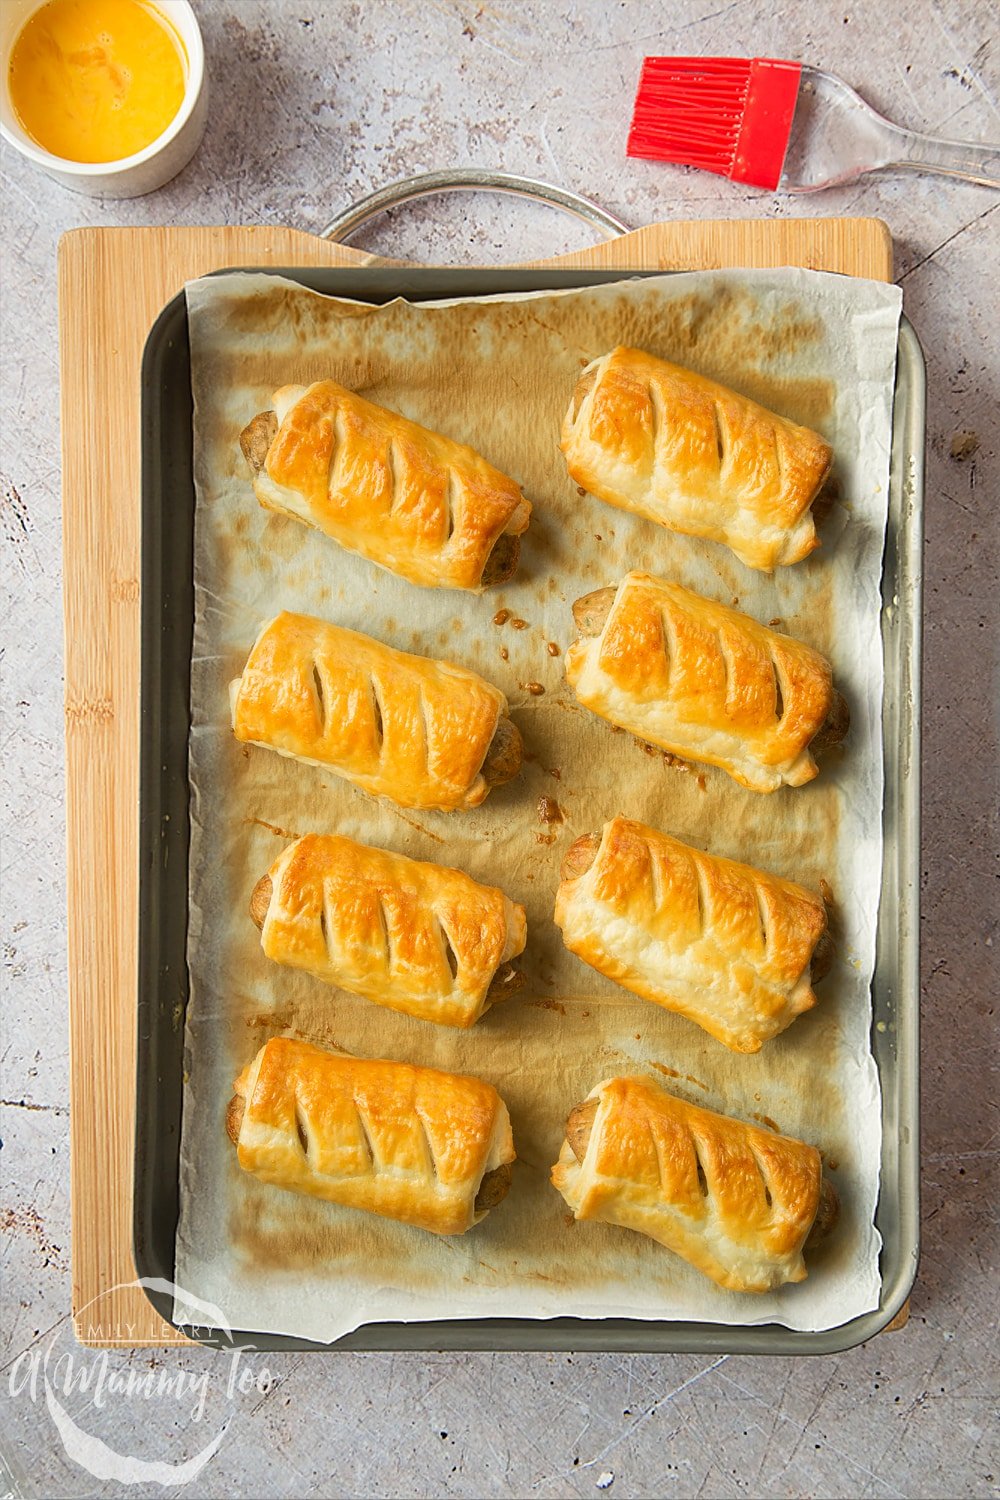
(63, 1377)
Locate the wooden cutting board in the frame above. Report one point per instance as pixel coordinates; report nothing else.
(112, 285)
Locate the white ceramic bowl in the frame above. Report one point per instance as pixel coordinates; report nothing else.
(145, 170)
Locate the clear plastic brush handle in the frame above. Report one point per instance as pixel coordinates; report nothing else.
(836, 137)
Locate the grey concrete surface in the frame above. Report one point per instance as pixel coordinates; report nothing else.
(314, 104)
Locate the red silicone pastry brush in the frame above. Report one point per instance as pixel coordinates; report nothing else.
(781, 125)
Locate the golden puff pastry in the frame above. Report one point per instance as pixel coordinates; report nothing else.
(740, 1203)
(416, 937)
(728, 946)
(414, 502)
(659, 440)
(704, 681)
(423, 733)
(431, 1149)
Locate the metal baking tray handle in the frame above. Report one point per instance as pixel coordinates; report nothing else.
(474, 180)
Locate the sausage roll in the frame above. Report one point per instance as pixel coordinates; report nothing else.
(704, 681)
(721, 943)
(415, 937)
(740, 1203)
(431, 1149)
(410, 500)
(676, 448)
(423, 733)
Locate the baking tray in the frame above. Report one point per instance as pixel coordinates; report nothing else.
(168, 502)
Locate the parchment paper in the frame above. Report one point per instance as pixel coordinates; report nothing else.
(498, 374)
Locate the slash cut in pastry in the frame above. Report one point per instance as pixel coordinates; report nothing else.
(704, 681)
(740, 1203)
(423, 733)
(428, 1148)
(423, 506)
(416, 937)
(728, 946)
(667, 444)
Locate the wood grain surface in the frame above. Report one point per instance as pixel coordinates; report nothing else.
(112, 285)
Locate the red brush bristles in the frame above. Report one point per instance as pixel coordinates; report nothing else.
(731, 115)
